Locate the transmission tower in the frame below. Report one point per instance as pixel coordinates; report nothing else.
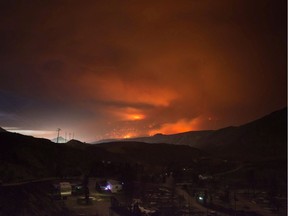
(58, 130)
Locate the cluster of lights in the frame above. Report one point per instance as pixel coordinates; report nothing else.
(108, 187)
(123, 132)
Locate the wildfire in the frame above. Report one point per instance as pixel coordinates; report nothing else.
(136, 117)
(127, 136)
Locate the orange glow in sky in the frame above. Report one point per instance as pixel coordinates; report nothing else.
(137, 116)
(127, 136)
(126, 114)
(182, 125)
(107, 69)
(118, 89)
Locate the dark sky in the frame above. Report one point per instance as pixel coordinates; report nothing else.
(108, 69)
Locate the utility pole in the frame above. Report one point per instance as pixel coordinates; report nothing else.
(58, 134)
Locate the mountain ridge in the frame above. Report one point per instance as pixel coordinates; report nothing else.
(23, 157)
(268, 134)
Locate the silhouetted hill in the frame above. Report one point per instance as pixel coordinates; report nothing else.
(264, 142)
(77, 144)
(2, 130)
(25, 157)
(153, 154)
(192, 138)
(265, 138)
(106, 141)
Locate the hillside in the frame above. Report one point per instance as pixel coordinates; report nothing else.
(25, 157)
(153, 154)
(2, 130)
(77, 144)
(262, 142)
(191, 138)
(265, 138)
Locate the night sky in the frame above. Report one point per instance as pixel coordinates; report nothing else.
(113, 69)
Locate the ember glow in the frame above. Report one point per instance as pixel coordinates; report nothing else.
(137, 117)
(127, 136)
(114, 69)
(180, 126)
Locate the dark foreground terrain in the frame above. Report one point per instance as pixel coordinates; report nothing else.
(30, 199)
(233, 171)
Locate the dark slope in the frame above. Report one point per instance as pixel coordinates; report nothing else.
(192, 138)
(93, 152)
(2, 130)
(76, 144)
(265, 138)
(25, 157)
(153, 153)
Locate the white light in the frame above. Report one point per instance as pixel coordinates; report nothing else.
(35, 133)
(108, 187)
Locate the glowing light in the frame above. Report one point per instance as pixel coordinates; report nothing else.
(137, 117)
(108, 187)
(126, 113)
(181, 125)
(127, 136)
(35, 133)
